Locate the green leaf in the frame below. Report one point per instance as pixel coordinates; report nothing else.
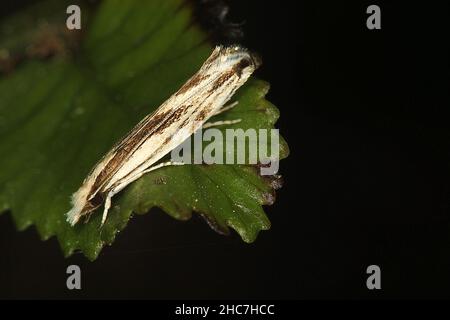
(59, 115)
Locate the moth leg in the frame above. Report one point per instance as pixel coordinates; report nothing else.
(226, 108)
(107, 206)
(220, 123)
(121, 184)
(225, 122)
(124, 183)
(163, 164)
(221, 110)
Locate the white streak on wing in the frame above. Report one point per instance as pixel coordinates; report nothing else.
(153, 149)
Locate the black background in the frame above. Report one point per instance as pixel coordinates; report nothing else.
(367, 182)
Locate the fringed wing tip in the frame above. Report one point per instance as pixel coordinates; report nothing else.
(74, 214)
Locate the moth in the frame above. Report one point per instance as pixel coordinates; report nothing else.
(204, 95)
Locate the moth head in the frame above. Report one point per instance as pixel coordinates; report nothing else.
(241, 60)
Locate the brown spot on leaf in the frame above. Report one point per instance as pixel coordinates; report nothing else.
(50, 40)
(160, 181)
(269, 198)
(47, 41)
(215, 225)
(275, 181)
